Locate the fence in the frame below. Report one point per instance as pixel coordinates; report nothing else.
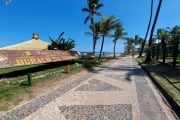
(167, 54)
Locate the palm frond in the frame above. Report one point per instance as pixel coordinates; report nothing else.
(85, 10)
(60, 35)
(89, 33)
(99, 6)
(86, 19)
(61, 43)
(98, 13)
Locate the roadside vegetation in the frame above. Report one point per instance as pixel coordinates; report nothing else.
(61, 43)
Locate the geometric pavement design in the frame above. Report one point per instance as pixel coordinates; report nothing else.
(97, 112)
(97, 85)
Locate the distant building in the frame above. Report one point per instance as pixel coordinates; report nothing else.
(34, 44)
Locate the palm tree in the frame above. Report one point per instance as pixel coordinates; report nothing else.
(153, 46)
(119, 33)
(148, 56)
(164, 37)
(175, 33)
(136, 38)
(107, 24)
(129, 44)
(95, 28)
(139, 41)
(150, 18)
(93, 7)
(158, 44)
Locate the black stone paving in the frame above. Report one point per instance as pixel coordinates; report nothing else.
(97, 112)
(150, 108)
(29, 108)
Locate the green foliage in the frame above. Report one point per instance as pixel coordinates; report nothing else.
(88, 63)
(129, 45)
(175, 34)
(61, 43)
(107, 25)
(119, 33)
(93, 7)
(163, 35)
(96, 28)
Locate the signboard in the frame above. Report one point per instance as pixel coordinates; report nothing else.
(11, 58)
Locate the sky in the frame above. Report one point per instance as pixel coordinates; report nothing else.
(21, 18)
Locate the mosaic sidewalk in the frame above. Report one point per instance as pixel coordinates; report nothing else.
(118, 91)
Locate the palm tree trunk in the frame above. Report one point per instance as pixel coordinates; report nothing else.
(150, 18)
(94, 46)
(102, 44)
(129, 49)
(148, 56)
(175, 53)
(115, 49)
(164, 52)
(153, 52)
(157, 52)
(94, 42)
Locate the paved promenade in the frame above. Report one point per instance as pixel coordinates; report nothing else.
(117, 91)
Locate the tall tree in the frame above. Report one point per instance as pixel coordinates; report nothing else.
(107, 24)
(119, 33)
(95, 28)
(163, 35)
(136, 38)
(138, 42)
(148, 27)
(175, 33)
(148, 55)
(129, 45)
(93, 7)
(158, 44)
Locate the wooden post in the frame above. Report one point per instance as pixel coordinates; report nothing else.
(29, 79)
(67, 69)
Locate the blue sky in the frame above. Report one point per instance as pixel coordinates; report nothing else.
(21, 18)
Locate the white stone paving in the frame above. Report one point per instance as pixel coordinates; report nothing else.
(126, 95)
(120, 92)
